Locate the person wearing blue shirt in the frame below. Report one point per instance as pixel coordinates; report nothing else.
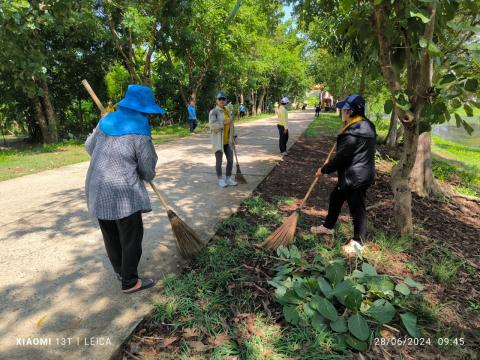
(241, 110)
(192, 115)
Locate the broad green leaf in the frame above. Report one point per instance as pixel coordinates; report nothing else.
(434, 49)
(468, 110)
(341, 290)
(377, 2)
(420, 16)
(360, 288)
(356, 344)
(339, 325)
(327, 310)
(318, 322)
(455, 103)
(388, 106)
(403, 289)
(354, 300)
(291, 314)
(459, 121)
(409, 320)
(422, 42)
(448, 78)
(382, 311)
(325, 287)
(315, 302)
(308, 310)
(290, 297)
(358, 274)
(382, 286)
(335, 272)
(358, 327)
(369, 269)
(300, 289)
(468, 128)
(471, 85)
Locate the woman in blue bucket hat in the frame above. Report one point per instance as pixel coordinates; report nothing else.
(122, 158)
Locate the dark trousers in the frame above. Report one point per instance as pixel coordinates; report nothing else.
(356, 203)
(192, 124)
(219, 158)
(123, 242)
(283, 138)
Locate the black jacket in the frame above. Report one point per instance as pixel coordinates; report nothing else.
(355, 157)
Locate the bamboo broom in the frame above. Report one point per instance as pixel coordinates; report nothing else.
(238, 175)
(285, 234)
(188, 243)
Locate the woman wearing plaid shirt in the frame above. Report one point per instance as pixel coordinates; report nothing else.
(122, 158)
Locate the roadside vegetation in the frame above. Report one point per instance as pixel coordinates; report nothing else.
(306, 301)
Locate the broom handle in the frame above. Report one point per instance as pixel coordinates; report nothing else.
(234, 148)
(310, 189)
(102, 109)
(160, 197)
(94, 96)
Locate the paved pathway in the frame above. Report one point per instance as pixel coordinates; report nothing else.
(58, 295)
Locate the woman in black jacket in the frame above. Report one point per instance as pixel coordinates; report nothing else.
(354, 162)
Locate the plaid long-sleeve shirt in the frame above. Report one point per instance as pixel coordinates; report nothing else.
(118, 168)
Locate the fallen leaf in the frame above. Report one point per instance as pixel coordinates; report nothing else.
(41, 320)
(169, 341)
(218, 340)
(198, 346)
(189, 333)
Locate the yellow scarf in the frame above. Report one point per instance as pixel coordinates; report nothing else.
(355, 120)
(226, 128)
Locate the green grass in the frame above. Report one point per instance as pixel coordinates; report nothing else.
(326, 124)
(32, 159)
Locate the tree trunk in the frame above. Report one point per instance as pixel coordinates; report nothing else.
(50, 112)
(400, 133)
(361, 89)
(391, 139)
(260, 101)
(42, 122)
(400, 180)
(241, 98)
(421, 178)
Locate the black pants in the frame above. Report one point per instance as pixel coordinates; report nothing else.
(193, 124)
(356, 203)
(123, 241)
(283, 138)
(219, 158)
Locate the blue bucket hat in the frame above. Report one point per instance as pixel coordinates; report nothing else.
(140, 98)
(353, 102)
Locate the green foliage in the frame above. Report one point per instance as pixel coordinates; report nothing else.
(321, 295)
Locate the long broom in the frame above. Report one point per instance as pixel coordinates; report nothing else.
(238, 175)
(188, 243)
(285, 234)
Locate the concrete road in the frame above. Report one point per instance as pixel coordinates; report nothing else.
(59, 298)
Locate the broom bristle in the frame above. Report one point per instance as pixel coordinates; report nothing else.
(284, 235)
(188, 243)
(240, 178)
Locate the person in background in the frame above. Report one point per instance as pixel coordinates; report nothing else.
(317, 109)
(122, 158)
(354, 162)
(221, 135)
(241, 110)
(192, 116)
(282, 115)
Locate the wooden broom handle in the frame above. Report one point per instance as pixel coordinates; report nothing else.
(160, 197)
(310, 189)
(94, 97)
